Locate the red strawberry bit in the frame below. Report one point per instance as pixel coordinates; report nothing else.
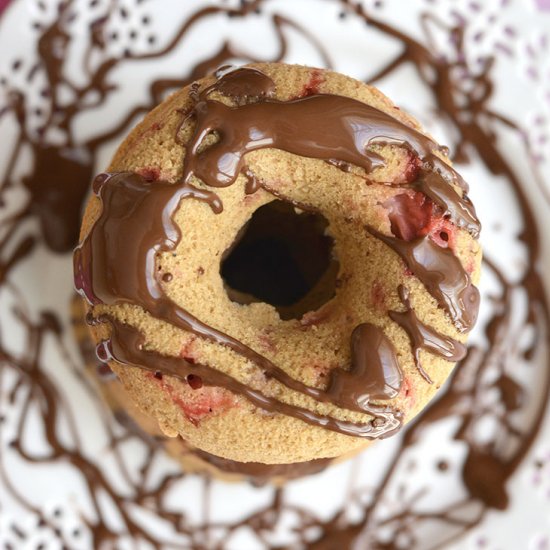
(413, 215)
(187, 351)
(378, 295)
(199, 402)
(410, 215)
(150, 173)
(194, 381)
(267, 343)
(442, 232)
(412, 168)
(312, 86)
(470, 266)
(316, 318)
(319, 372)
(407, 391)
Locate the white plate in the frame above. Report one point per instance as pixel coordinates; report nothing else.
(50, 499)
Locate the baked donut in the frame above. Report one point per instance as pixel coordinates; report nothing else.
(279, 265)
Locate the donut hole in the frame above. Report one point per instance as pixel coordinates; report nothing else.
(283, 257)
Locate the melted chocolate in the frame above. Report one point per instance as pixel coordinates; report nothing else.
(259, 472)
(459, 209)
(374, 372)
(242, 85)
(129, 200)
(333, 128)
(441, 273)
(424, 337)
(125, 346)
(485, 473)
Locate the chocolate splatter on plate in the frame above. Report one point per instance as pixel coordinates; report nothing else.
(74, 77)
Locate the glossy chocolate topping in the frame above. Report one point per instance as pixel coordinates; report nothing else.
(458, 208)
(136, 215)
(424, 337)
(333, 128)
(374, 372)
(125, 346)
(441, 273)
(242, 84)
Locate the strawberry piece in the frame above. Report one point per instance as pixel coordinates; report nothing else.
(412, 168)
(312, 86)
(378, 295)
(195, 400)
(442, 232)
(410, 215)
(150, 173)
(194, 381)
(407, 391)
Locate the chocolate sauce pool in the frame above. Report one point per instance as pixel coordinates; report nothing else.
(54, 199)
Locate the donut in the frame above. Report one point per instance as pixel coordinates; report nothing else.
(279, 265)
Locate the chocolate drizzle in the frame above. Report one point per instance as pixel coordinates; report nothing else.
(458, 208)
(125, 346)
(129, 200)
(374, 372)
(424, 337)
(483, 476)
(342, 136)
(441, 273)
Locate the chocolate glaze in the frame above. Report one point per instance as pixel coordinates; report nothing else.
(134, 279)
(242, 85)
(341, 136)
(424, 337)
(458, 208)
(460, 399)
(374, 372)
(125, 346)
(441, 273)
(263, 472)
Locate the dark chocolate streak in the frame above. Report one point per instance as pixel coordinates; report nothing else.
(374, 373)
(483, 476)
(125, 346)
(424, 337)
(441, 273)
(342, 135)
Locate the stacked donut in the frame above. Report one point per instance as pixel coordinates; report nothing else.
(222, 350)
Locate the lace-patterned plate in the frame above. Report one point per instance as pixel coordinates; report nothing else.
(473, 472)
